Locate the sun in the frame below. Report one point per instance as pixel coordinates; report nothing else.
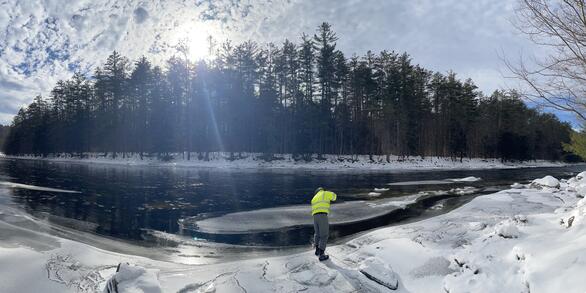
(194, 41)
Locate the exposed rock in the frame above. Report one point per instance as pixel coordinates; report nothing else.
(570, 221)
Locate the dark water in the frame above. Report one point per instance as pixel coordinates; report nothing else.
(124, 202)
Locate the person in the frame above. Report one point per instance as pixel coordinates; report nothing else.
(320, 208)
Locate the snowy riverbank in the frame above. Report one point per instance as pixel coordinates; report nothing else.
(529, 238)
(287, 161)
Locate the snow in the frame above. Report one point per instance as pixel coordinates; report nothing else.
(464, 190)
(517, 185)
(516, 240)
(380, 189)
(466, 179)
(546, 182)
(131, 278)
(287, 161)
(420, 182)
(380, 272)
(507, 229)
(436, 182)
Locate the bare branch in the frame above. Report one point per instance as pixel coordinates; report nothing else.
(558, 80)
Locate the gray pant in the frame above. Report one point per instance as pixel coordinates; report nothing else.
(322, 230)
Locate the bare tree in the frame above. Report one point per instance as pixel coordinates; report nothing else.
(559, 79)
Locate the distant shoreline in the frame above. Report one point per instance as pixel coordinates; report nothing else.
(224, 160)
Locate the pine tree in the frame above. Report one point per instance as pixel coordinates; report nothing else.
(301, 99)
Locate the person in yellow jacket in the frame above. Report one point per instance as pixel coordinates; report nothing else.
(320, 208)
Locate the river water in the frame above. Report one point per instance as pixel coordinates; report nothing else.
(129, 202)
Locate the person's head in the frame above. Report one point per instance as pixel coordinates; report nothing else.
(318, 190)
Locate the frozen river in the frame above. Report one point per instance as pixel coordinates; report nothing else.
(249, 207)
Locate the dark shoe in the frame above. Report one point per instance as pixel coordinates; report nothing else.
(323, 257)
(317, 251)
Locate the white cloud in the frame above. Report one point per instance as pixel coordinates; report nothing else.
(463, 36)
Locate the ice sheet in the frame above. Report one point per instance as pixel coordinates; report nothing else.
(272, 219)
(421, 182)
(466, 179)
(33, 187)
(436, 182)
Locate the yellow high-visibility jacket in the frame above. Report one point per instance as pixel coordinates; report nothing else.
(320, 203)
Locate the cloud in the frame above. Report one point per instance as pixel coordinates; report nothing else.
(42, 41)
(463, 36)
(9, 106)
(8, 85)
(140, 15)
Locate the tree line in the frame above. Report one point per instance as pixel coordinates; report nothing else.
(4, 130)
(300, 98)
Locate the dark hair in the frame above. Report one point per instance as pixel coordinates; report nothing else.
(318, 189)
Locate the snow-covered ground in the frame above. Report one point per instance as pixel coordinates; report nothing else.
(529, 238)
(286, 161)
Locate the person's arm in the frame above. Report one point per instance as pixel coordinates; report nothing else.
(333, 196)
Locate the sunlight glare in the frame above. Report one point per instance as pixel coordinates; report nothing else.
(196, 38)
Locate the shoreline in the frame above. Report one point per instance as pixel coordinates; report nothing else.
(528, 236)
(255, 161)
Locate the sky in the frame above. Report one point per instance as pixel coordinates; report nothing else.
(43, 41)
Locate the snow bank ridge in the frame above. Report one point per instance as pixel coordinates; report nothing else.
(314, 161)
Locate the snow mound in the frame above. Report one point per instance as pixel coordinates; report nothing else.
(517, 185)
(466, 179)
(134, 279)
(507, 229)
(520, 219)
(381, 189)
(576, 217)
(380, 272)
(546, 182)
(577, 184)
(581, 176)
(476, 226)
(374, 194)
